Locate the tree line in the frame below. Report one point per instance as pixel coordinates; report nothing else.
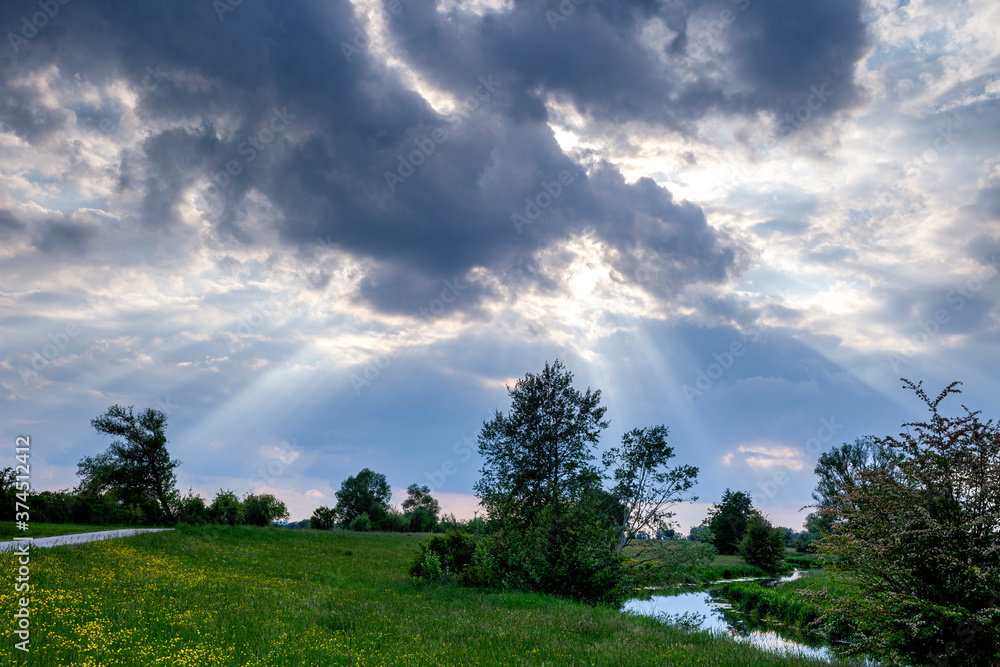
(363, 505)
(133, 483)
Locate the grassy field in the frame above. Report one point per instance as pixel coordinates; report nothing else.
(245, 596)
(8, 529)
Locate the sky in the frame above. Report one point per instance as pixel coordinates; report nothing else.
(326, 235)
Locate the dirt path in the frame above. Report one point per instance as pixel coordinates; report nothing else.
(78, 538)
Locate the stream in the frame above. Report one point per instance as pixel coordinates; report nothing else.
(720, 617)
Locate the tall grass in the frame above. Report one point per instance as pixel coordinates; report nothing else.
(270, 596)
(806, 603)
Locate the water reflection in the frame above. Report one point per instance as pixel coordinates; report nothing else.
(719, 617)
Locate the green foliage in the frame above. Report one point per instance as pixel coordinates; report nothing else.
(366, 493)
(136, 467)
(702, 534)
(845, 466)
(191, 509)
(429, 568)
(643, 485)
(263, 509)
(225, 596)
(761, 544)
(922, 542)
(226, 509)
(569, 550)
(446, 555)
(553, 528)
(323, 518)
(728, 520)
(8, 489)
(420, 509)
(541, 452)
(360, 523)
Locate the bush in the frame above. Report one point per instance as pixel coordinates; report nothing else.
(323, 518)
(567, 551)
(226, 509)
(263, 510)
(192, 510)
(360, 523)
(453, 552)
(429, 567)
(762, 545)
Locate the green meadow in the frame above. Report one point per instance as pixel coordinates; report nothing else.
(273, 596)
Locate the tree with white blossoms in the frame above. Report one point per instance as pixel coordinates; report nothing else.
(922, 542)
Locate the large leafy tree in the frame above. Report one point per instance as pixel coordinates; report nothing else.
(366, 493)
(541, 452)
(263, 509)
(728, 520)
(762, 544)
(644, 486)
(136, 468)
(845, 466)
(922, 542)
(420, 508)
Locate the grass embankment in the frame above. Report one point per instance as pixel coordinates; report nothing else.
(722, 568)
(8, 529)
(245, 596)
(806, 603)
(725, 568)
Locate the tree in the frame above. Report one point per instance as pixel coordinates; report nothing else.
(421, 509)
(366, 493)
(136, 467)
(701, 533)
(922, 542)
(554, 528)
(226, 509)
(9, 488)
(845, 466)
(761, 544)
(263, 510)
(541, 452)
(728, 520)
(323, 518)
(645, 488)
(191, 509)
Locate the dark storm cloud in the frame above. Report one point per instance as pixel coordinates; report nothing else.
(288, 100)
(64, 237)
(741, 56)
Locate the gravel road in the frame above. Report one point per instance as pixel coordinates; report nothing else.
(79, 538)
